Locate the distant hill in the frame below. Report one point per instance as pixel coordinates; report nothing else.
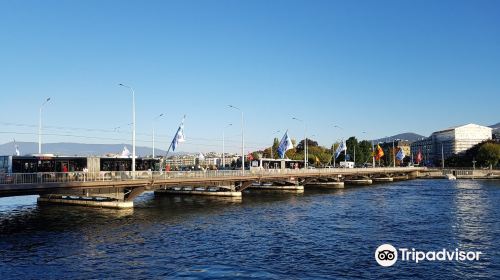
(71, 149)
(410, 136)
(495, 126)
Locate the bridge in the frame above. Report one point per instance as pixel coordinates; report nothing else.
(118, 189)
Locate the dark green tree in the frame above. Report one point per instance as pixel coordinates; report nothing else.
(365, 152)
(352, 146)
(489, 154)
(274, 148)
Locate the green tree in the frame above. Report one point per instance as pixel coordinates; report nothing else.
(310, 143)
(365, 152)
(352, 145)
(489, 154)
(274, 148)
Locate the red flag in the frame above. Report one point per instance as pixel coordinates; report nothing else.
(419, 156)
(379, 153)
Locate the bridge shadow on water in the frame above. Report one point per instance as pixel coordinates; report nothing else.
(26, 216)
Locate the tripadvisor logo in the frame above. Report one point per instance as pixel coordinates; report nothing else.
(387, 255)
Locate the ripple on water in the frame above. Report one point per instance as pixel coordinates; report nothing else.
(328, 234)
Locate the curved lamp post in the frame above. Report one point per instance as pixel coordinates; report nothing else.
(133, 125)
(154, 120)
(305, 141)
(40, 126)
(242, 139)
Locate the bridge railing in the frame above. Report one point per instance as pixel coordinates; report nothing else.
(116, 176)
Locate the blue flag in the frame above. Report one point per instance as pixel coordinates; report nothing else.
(342, 147)
(285, 145)
(400, 155)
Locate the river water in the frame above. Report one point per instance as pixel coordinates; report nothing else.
(329, 234)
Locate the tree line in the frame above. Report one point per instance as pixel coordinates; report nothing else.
(485, 154)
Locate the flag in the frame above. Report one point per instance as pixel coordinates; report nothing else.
(17, 148)
(250, 157)
(342, 147)
(201, 156)
(379, 153)
(419, 156)
(285, 145)
(125, 152)
(400, 155)
(179, 135)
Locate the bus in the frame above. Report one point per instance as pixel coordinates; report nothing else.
(51, 163)
(271, 163)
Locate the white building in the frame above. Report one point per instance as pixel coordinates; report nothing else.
(451, 141)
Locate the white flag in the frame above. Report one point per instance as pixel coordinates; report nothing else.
(17, 148)
(179, 136)
(342, 147)
(125, 152)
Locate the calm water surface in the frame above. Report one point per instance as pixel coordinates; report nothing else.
(317, 234)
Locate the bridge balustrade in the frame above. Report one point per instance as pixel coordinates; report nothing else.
(114, 176)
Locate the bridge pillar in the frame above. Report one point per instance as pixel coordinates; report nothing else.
(109, 197)
(85, 201)
(221, 190)
(413, 175)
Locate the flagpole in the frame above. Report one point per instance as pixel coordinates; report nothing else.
(393, 155)
(345, 154)
(373, 155)
(223, 146)
(442, 155)
(354, 155)
(159, 116)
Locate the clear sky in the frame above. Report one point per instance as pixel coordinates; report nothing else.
(383, 67)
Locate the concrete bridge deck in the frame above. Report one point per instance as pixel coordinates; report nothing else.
(125, 186)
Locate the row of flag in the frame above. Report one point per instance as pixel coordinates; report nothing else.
(379, 153)
(284, 145)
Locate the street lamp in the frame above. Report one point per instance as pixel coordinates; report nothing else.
(242, 139)
(305, 140)
(133, 125)
(373, 150)
(393, 154)
(40, 126)
(154, 120)
(223, 146)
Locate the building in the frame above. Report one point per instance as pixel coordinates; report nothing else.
(450, 141)
(424, 146)
(496, 135)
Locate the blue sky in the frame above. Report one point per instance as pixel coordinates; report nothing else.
(383, 67)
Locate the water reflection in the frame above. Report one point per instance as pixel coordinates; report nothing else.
(321, 233)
